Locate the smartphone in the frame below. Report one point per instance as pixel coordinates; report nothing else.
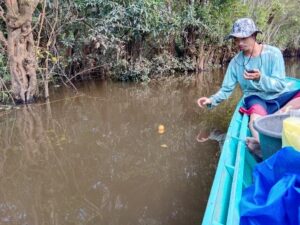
(250, 71)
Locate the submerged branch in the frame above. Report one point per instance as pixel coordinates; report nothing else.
(85, 71)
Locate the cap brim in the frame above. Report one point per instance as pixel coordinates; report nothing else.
(239, 35)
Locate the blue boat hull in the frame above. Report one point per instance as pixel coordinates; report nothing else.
(234, 172)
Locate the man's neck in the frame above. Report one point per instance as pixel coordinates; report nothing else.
(255, 51)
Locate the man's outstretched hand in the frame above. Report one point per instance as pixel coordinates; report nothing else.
(203, 101)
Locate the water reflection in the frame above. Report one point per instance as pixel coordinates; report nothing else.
(97, 158)
(215, 134)
(292, 67)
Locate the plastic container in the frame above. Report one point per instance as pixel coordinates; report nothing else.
(291, 130)
(294, 113)
(270, 130)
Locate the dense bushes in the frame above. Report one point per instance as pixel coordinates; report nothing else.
(140, 39)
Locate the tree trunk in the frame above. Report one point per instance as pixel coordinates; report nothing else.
(201, 57)
(208, 55)
(20, 49)
(171, 40)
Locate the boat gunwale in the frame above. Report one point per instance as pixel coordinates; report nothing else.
(239, 168)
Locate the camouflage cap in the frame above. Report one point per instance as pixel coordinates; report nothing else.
(243, 28)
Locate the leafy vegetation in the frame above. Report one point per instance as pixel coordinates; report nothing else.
(136, 40)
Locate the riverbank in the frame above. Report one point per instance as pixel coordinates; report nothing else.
(142, 72)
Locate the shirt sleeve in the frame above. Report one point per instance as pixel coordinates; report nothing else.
(275, 80)
(228, 85)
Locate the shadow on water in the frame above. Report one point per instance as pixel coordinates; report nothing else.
(97, 157)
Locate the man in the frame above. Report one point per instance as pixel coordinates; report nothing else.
(259, 70)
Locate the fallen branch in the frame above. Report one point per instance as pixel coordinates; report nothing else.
(68, 80)
(85, 71)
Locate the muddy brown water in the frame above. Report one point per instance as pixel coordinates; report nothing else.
(97, 157)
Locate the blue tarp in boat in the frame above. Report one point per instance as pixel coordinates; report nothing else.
(274, 197)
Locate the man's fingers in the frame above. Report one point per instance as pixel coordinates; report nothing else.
(202, 102)
(249, 76)
(252, 76)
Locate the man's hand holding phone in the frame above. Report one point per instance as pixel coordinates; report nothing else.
(253, 74)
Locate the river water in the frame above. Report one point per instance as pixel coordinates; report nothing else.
(98, 157)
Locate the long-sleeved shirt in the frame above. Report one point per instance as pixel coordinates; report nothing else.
(271, 84)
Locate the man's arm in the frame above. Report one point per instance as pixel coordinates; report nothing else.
(228, 85)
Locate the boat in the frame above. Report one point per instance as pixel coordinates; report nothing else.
(234, 171)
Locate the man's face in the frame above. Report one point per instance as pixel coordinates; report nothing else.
(245, 44)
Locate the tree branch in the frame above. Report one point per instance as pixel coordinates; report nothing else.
(9, 94)
(30, 31)
(24, 12)
(3, 40)
(42, 14)
(2, 14)
(12, 8)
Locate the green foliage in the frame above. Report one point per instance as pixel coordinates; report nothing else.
(138, 71)
(138, 39)
(3, 69)
(133, 39)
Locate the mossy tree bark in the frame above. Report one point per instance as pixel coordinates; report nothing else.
(20, 48)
